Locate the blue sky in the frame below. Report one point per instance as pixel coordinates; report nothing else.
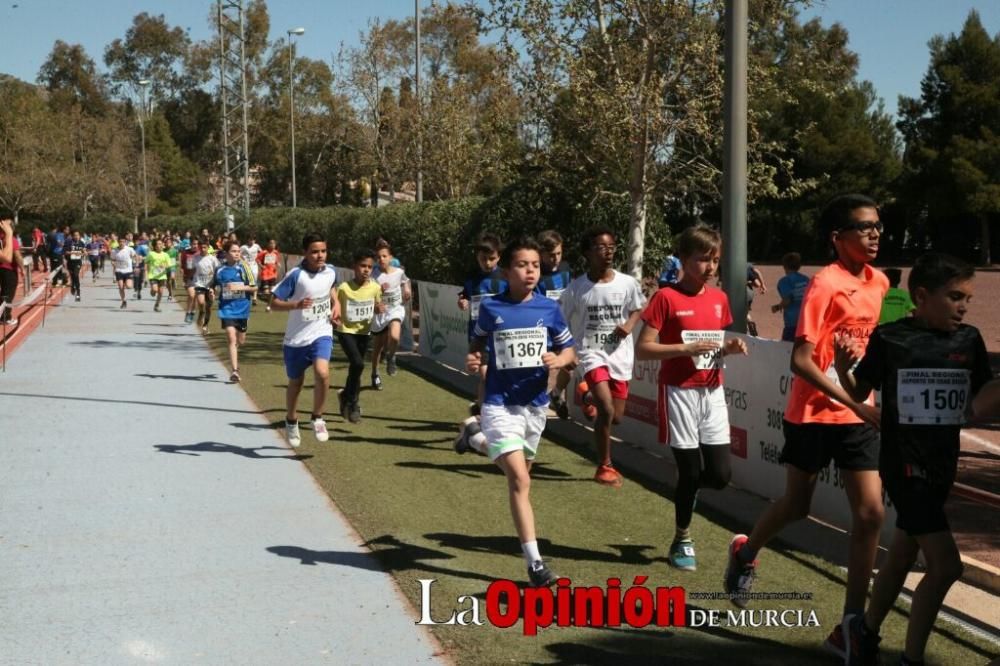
(890, 36)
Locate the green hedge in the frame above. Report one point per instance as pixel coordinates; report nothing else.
(432, 239)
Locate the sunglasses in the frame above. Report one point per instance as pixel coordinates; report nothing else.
(864, 227)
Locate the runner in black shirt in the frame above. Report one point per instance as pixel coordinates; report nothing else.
(929, 368)
(74, 251)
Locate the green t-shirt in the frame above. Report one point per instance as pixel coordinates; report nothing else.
(157, 264)
(895, 305)
(172, 252)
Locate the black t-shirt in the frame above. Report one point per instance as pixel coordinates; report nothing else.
(75, 250)
(928, 379)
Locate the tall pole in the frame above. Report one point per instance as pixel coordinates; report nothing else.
(416, 88)
(291, 102)
(142, 134)
(734, 167)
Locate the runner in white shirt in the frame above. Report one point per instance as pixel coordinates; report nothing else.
(308, 292)
(204, 280)
(123, 260)
(602, 306)
(249, 254)
(387, 325)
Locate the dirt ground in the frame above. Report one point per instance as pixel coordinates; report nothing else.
(974, 516)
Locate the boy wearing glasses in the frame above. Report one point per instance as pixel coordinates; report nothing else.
(822, 421)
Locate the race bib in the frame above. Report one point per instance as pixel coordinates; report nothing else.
(320, 309)
(229, 291)
(709, 360)
(270, 260)
(554, 294)
(932, 396)
(189, 263)
(601, 336)
(122, 265)
(474, 307)
(519, 348)
(75, 256)
(392, 297)
(360, 311)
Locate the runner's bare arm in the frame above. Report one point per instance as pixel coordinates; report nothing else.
(802, 364)
(334, 307)
(648, 348)
(564, 358)
(624, 330)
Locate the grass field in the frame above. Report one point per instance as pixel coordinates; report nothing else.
(427, 512)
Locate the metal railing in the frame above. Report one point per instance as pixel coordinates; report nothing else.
(43, 291)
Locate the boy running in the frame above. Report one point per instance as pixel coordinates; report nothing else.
(485, 281)
(897, 302)
(157, 265)
(268, 261)
(683, 329)
(204, 278)
(930, 368)
(822, 422)
(235, 281)
(94, 257)
(75, 249)
(525, 337)
(791, 288)
(360, 299)
(602, 307)
(123, 261)
(188, 259)
(555, 275)
(309, 293)
(387, 326)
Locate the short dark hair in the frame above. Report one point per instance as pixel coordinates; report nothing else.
(383, 244)
(515, 245)
(935, 270)
(487, 242)
(311, 238)
(361, 254)
(894, 275)
(593, 233)
(227, 246)
(837, 212)
(549, 240)
(792, 261)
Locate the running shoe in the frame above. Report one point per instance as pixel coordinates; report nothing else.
(189, 318)
(204, 330)
(835, 644)
(319, 429)
(267, 309)
(583, 395)
(469, 427)
(607, 475)
(682, 555)
(235, 377)
(10, 323)
(123, 305)
(354, 415)
(474, 409)
(739, 575)
(292, 433)
(540, 575)
(78, 298)
(156, 308)
(558, 403)
(376, 381)
(390, 365)
(860, 643)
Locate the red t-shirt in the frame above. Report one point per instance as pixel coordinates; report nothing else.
(835, 302)
(672, 313)
(268, 261)
(17, 246)
(189, 259)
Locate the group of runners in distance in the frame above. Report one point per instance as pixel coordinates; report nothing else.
(533, 327)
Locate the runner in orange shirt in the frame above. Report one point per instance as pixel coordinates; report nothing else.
(822, 422)
(268, 261)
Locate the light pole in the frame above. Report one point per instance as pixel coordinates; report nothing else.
(291, 100)
(143, 84)
(416, 88)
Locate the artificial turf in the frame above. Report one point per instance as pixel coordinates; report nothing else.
(429, 513)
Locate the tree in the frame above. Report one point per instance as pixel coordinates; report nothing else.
(952, 136)
(71, 78)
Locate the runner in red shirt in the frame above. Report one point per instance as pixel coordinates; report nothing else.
(683, 328)
(269, 260)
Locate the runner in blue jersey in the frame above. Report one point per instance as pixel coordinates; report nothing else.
(481, 283)
(236, 286)
(525, 337)
(555, 275)
(141, 251)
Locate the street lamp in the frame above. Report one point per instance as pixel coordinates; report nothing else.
(291, 100)
(143, 84)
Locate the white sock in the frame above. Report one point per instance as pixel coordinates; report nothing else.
(531, 554)
(478, 442)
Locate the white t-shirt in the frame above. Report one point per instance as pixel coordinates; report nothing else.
(305, 326)
(593, 310)
(392, 286)
(249, 253)
(204, 271)
(123, 259)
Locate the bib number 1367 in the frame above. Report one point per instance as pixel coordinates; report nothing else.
(519, 348)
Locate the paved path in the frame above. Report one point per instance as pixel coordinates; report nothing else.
(149, 514)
